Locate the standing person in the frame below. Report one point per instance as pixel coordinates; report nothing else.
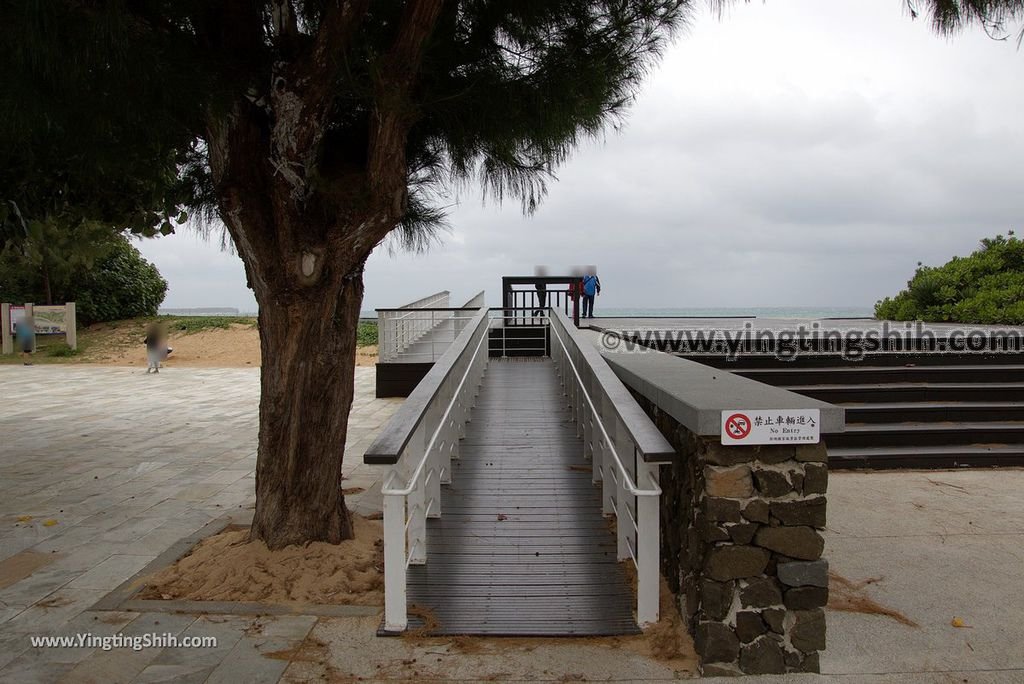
(542, 290)
(25, 333)
(156, 347)
(591, 288)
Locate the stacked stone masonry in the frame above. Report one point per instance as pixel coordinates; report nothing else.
(741, 547)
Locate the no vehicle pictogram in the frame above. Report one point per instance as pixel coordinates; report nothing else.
(737, 425)
(744, 427)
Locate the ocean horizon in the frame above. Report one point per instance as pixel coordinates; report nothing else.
(807, 312)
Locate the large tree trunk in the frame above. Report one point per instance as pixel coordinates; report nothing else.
(308, 351)
(304, 233)
(304, 258)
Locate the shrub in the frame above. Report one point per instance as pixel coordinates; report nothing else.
(986, 287)
(122, 285)
(366, 334)
(107, 278)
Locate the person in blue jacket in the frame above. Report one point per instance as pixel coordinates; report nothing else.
(591, 288)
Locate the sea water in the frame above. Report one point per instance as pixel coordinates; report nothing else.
(809, 312)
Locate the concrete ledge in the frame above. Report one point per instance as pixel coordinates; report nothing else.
(695, 394)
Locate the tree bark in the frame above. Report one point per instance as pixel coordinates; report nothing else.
(307, 377)
(46, 284)
(304, 237)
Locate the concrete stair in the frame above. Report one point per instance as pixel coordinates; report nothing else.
(909, 410)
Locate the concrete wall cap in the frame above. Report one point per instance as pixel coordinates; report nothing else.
(695, 394)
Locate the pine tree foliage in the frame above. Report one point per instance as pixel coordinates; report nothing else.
(106, 104)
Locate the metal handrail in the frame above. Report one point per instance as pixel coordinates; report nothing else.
(630, 485)
(476, 301)
(638, 533)
(411, 482)
(647, 438)
(419, 303)
(395, 436)
(398, 329)
(428, 308)
(450, 384)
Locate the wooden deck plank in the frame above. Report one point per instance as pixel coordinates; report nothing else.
(521, 548)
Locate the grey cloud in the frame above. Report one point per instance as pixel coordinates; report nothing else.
(795, 153)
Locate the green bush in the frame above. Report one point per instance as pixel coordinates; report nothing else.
(108, 279)
(366, 333)
(122, 285)
(986, 287)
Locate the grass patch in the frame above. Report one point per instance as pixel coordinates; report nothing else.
(61, 350)
(366, 334)
(50, 349)
(194, 324)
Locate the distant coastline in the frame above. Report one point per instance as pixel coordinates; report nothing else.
(808, 312)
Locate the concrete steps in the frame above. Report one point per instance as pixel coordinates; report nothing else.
(966, 456)
(933, 411)
(883, 375)
(909, 411)
(913, 392)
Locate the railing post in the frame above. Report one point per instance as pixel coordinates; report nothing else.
(395, 617)
(588, 433)
(648, 542)
(623, 497)
(418, 499)
(441, 459)
(602, 465)
(418, 523)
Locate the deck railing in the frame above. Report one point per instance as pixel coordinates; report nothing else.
(420, 441)
(514, 333)
(522, 295)
(420, 332)
(422, 438)
(625, 449)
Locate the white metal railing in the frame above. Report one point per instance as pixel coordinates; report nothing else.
(625, 449)
(420, 441)
(420, 332)
(398, 328)
(512, 334)
(476, 301)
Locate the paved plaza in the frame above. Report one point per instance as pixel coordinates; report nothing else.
(104, 469)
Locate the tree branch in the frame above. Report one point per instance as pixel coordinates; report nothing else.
(303, 90)
(283, 19)
(394, 112)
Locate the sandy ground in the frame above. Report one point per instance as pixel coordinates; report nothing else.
(230, 567)
(235, 347)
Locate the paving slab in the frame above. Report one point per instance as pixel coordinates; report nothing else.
(124, 490)
(120, 666)
(940, 545)
(127, 465)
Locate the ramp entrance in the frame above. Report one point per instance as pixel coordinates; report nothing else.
(507, 472)
(522, 547)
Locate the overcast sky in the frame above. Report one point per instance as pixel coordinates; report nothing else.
(793, 153)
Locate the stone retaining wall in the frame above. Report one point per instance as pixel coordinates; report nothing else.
(741, 548)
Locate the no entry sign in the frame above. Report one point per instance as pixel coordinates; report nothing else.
(777, 426)
(737, 426)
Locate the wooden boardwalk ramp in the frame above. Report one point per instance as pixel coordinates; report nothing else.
(521, 548)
